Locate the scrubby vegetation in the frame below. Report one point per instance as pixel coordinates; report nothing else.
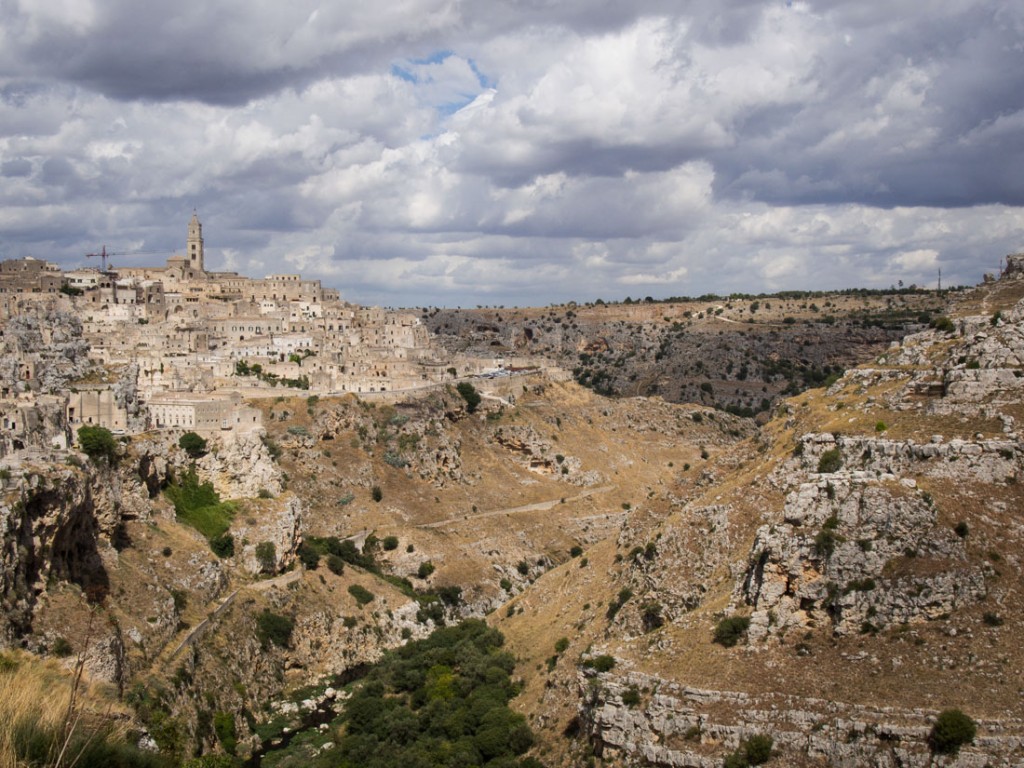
(756, 750)
(438, 702)
(273, 628)
(98, 444)
(46, 720)
(470, 395)
(192, 444)
(830, 461)
(198, 505)
(952, 730)
(730, 629)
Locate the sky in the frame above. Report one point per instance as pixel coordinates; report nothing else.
(526, 152)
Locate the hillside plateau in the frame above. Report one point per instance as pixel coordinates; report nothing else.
(738, 353)
(860, 546)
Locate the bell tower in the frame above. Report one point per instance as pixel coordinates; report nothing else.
(195, 244)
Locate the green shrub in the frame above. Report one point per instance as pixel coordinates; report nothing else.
(561, 645)
(197, 504)
(224, 727)
(651, 616)
(309, 556)
(274, 628)
(390, 542)
(469, 394)
(266, 556)
(602, 663)
(961, 529)
(576, 551)
(450, 595)
(830, 461)
(426, 568)
(447, 692)
(730, 629)
(98, 444)
(192, 444)
(952, 729)
(943, 324)
(376, 493)
(757, 749)
(223, 545)
(61, 648)
(335, 565)
(361, 594)
(631, 696)
(880, 426)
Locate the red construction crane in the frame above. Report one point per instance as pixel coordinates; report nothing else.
(104, 254)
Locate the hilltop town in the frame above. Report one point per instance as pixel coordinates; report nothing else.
(134, 348)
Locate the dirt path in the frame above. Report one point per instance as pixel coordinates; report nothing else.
(539, 506)
(196, 632)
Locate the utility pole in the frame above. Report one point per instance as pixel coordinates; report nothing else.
(940, 279)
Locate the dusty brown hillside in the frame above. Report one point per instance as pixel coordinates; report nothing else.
(865, 546)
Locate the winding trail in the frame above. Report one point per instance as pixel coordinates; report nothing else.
(539, 506)
(196, 632)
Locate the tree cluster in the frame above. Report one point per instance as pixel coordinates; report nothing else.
(438, 702)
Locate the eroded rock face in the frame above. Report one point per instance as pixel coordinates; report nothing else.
(42, 349)
(277, 522)
(537, 455)
(678, 725)
(49, 531)
(241, 467)
(698, 548)
(855, 554)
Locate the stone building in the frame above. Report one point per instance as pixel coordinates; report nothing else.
(96, 408)
(208, 414)
(23, 278)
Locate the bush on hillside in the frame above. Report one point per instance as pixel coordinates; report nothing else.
(830, 461)
(98, 444)
(192, 444)
(951, 731)
(730, 629)
(273, 628)
(470, 395)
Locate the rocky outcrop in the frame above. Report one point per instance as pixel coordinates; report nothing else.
(859, 555)
(700, 546)
(37, 423)
(42, 349)
(241, 467)
(277, 522)
(537, 455)
(683, 726)
(49, 531)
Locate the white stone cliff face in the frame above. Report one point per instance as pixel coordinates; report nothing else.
(682, 726)
(277, 522)
(241, 468)
(849, 553)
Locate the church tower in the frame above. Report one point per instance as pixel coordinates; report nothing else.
(195, 244)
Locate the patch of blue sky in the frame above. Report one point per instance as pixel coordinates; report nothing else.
(412, 71)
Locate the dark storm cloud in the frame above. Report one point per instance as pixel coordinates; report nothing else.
(958, 75)
(435, 150)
